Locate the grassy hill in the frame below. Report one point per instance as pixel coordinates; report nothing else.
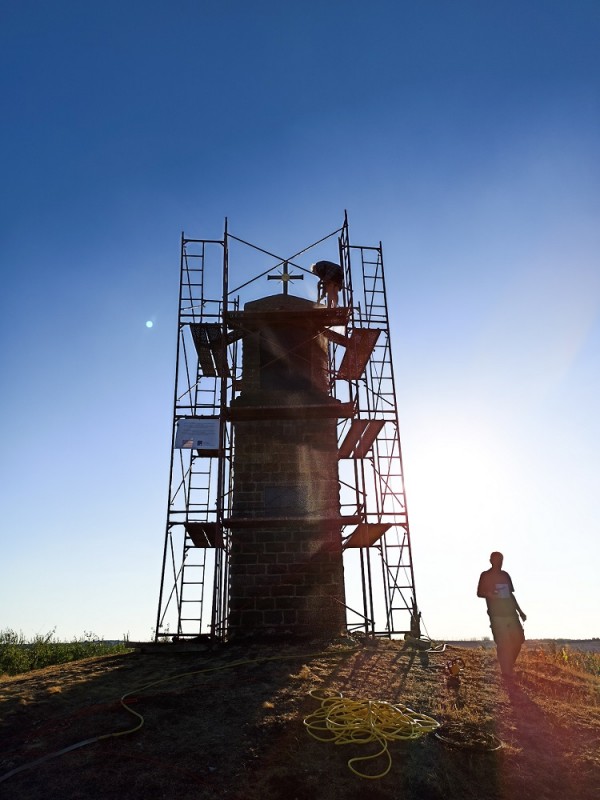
(228, 723)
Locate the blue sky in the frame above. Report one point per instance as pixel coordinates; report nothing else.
(463, 135)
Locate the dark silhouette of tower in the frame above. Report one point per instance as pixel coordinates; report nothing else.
(286, 571)
(287, 511)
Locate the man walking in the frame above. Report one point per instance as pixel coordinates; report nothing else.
(496, 586)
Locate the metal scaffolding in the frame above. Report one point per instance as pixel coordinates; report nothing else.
(379, 576)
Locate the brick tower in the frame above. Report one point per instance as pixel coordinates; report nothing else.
(286, 571)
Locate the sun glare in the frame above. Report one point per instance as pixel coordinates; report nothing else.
(459, 473)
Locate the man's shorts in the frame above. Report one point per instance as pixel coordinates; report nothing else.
(507, 631)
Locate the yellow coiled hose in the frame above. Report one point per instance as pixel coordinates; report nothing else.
(344, 721)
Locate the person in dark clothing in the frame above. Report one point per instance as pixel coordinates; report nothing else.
(331, 281)
(496, 586)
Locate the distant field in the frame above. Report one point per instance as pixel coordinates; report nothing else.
(19, 654)
(585, 645)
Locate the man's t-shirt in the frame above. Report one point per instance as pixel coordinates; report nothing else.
(497, 588)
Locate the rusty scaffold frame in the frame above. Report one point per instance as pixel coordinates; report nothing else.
(376, 541)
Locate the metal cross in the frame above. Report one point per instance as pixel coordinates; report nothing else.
(285, 277)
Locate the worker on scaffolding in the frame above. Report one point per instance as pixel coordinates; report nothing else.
(331, 281)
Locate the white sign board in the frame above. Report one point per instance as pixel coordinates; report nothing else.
(202, 434)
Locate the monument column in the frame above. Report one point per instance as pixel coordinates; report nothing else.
(286, 571)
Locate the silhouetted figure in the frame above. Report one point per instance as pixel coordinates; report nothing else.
(331, 281)
(496, 586)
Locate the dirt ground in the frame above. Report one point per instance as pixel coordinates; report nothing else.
(227, 723)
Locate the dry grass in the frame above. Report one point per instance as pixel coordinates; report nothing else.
(228, 724)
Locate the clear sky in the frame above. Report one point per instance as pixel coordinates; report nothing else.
(463, 135)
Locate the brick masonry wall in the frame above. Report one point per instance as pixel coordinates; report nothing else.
(286, 571)
(288, 580)
(286, 577)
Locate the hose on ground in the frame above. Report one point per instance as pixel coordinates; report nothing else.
(345, 721)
